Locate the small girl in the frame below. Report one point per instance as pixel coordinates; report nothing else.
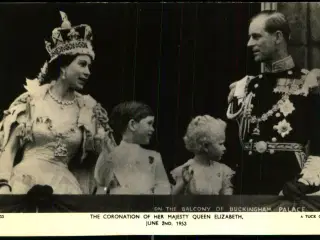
(203, 174)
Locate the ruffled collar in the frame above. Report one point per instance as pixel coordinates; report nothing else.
(85, 102)
(35, 89)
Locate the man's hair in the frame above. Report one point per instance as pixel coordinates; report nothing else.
(275, 21)
(124, 112)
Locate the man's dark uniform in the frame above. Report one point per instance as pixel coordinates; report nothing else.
(278, 113)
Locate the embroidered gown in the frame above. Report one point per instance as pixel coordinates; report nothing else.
(51, 136)
(213, 179)
(278, 114)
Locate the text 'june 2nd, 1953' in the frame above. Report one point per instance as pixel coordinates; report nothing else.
(175, 219)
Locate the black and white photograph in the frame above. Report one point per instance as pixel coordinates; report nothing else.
(159, 107)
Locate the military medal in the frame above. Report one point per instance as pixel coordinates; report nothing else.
(283, 128)
(286, 107)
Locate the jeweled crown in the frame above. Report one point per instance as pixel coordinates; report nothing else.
(69, 39)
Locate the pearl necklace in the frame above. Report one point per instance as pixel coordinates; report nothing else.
(60, 101)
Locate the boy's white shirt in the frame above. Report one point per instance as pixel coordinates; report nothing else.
(137, 170)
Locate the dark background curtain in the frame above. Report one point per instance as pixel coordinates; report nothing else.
(178, 58)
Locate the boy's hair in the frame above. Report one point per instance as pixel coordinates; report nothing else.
(203, 129)
(124, 112)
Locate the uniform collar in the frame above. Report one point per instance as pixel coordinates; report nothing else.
(280, 65)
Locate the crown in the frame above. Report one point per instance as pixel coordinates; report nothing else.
(70, 40)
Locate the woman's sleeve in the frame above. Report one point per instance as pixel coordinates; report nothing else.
(15, 130)
(97, 140)
(104, 133)
(104, 145)
(103, 172)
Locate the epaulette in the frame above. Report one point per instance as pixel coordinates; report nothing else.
(241, 85)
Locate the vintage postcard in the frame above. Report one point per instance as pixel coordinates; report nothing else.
(159, 118)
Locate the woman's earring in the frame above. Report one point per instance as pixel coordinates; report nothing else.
(64, 75)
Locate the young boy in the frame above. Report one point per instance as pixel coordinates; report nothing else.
(129, 168)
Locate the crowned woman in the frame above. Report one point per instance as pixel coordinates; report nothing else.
(58, 132)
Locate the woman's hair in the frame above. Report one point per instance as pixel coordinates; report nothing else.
(124, 112)
(54, 67)
(201, 130)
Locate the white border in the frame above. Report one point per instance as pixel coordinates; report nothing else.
(78, 224)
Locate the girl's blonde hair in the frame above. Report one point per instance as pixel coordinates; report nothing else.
(203, 129)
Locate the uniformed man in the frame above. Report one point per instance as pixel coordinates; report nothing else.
(278, 113)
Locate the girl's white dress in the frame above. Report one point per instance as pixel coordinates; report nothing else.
(213, 179)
